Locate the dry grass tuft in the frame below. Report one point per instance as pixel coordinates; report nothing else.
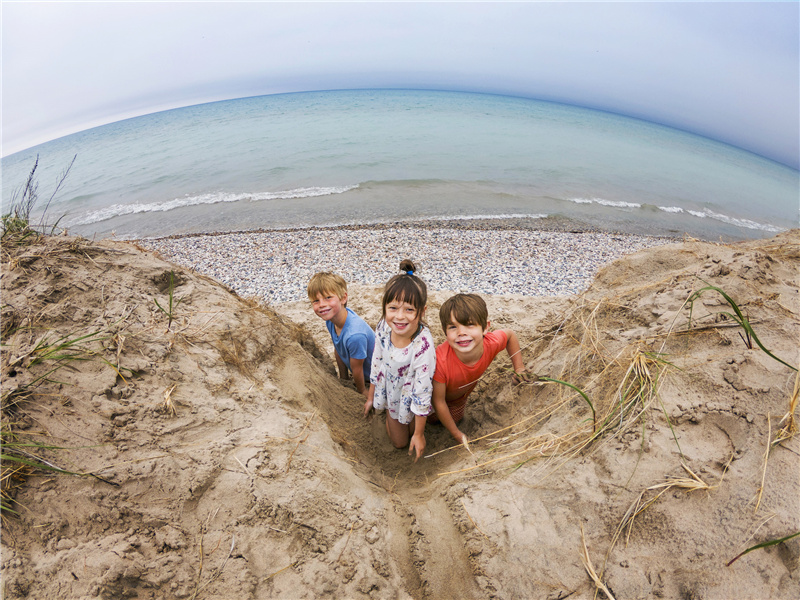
(790, 426)
(169, 404)
(587, 563)
(647, 498)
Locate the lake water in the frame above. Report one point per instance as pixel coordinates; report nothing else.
(367, 156)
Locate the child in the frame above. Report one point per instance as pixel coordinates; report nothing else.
(353, 339)
(403, 362)
(465, 356)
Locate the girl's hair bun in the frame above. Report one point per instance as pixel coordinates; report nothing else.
(408, 266)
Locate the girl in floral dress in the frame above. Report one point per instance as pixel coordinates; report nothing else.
(403, 362)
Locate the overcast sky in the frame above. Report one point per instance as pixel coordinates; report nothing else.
(730, 71)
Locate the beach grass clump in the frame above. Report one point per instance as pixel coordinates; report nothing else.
(651, 494)
(172, 303)
(16, 225)
(22, 456)
(738, 317)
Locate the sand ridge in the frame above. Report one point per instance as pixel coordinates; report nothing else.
(228, 461)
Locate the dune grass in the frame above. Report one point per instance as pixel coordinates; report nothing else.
(172, 302)
(766, 544)
(16, 225)
(738, 317)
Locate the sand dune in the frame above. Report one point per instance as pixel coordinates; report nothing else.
(222, 458)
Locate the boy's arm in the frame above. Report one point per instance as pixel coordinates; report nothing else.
(344, 372)
(357, 366)
(514, 351)
(443, 413)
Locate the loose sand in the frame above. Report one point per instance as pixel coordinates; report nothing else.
(226, 460)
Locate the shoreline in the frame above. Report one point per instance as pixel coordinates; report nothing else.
(552, 223)
(498, 257)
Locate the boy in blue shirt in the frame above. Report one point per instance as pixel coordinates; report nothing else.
(353, 340)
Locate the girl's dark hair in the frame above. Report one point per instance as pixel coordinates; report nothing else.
(406, 287)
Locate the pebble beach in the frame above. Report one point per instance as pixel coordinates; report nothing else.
(504, 257)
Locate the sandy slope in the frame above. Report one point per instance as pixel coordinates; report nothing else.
(259, 478)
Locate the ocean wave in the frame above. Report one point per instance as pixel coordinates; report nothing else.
(710, 214)
(701, 214)
(118, 210)
(603, 202)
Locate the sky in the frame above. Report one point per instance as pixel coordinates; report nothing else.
(726, 70)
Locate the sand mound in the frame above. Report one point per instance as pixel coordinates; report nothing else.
(219, 456)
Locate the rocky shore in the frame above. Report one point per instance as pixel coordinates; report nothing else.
(505, 257)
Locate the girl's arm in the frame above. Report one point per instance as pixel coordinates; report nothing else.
(418, 439)
(375, 370)
(443, 413)
(370, 399)
(423, 365)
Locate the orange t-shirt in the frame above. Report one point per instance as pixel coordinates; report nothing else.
(458, 377)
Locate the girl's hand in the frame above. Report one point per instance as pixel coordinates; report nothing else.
(417, 444)
(465, 443)
(368, 407)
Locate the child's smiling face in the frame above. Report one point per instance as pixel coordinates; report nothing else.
(403, 319)
(465, 340)
(328, 305)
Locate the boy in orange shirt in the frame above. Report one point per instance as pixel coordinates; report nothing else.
(468, 352)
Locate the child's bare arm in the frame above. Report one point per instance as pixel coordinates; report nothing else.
(443, 413)
(514, 351)
(370, 400)
(357, 367)
(417, 445)
(344, 372)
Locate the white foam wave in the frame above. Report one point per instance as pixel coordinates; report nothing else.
(710, 214)
(604, 202)
(117, 210)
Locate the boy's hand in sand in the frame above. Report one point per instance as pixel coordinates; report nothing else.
(522, 376)
(417, 444)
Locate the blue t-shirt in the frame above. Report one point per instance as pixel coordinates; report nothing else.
(357, 340)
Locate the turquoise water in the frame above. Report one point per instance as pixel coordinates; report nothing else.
(327, 158)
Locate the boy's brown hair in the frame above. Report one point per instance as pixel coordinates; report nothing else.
(320, 283)
(467, 309)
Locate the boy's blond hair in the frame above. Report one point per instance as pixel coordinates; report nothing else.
(467, 309)
(320, 283)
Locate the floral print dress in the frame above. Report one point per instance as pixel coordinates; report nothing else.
(403, 376)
